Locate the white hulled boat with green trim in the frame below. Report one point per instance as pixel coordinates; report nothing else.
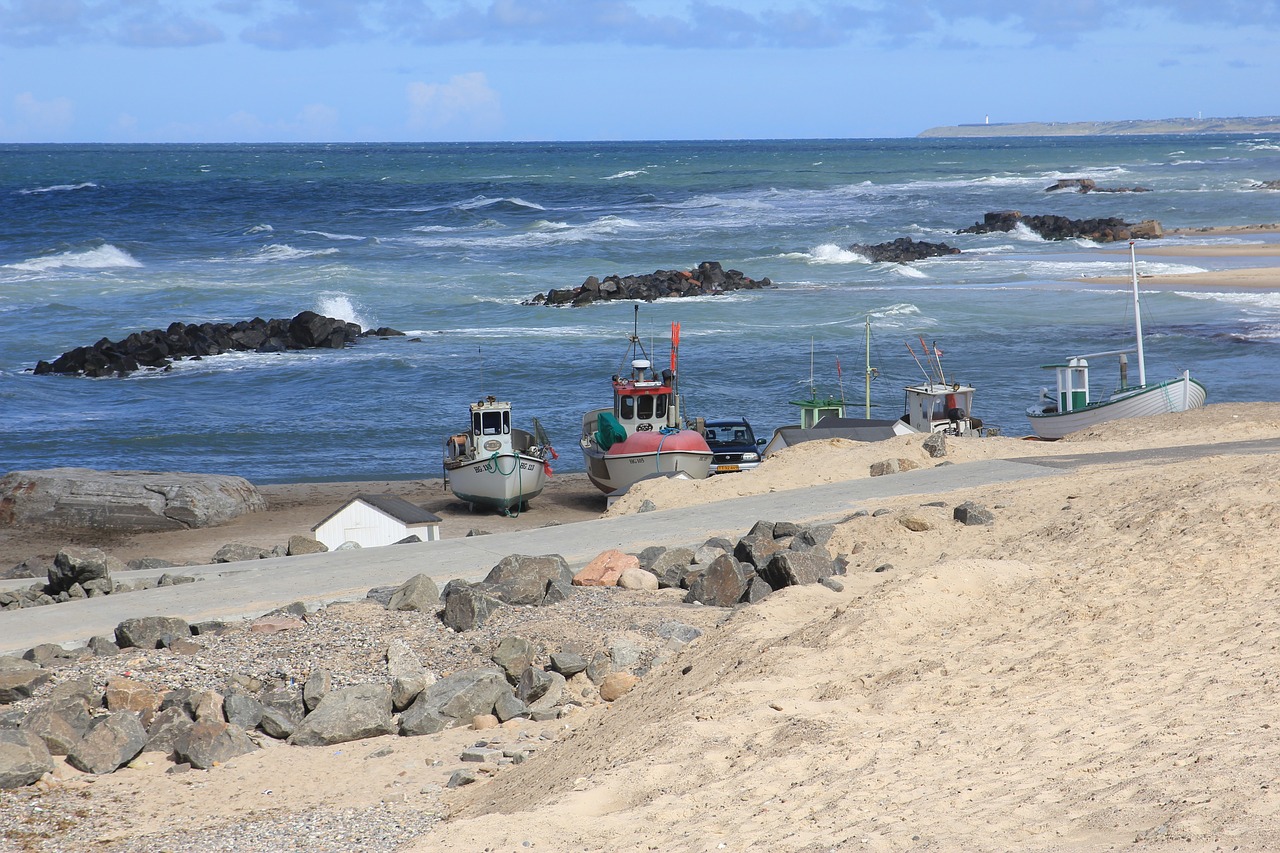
(1071, 409)
(495, 465)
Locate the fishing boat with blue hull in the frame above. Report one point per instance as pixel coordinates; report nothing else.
(494, 465)
(1071, 409)
(644, 434)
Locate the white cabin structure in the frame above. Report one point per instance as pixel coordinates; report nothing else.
(375, 520)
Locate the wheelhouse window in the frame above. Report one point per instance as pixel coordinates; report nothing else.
(644, 408)
(494, 423)
(627, 407)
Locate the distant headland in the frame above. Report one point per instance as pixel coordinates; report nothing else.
(1245, 124)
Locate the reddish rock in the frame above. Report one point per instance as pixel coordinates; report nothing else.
(605, 569)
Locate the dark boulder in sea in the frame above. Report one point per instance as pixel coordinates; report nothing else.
(1089, 185)
(903, 250)
(708, 279)
(157, 349)
(1109, 230)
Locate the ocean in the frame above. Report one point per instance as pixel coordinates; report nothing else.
(446, 241)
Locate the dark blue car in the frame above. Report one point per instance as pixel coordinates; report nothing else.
(734, 447)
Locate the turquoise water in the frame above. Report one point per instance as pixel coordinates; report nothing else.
(444, 242)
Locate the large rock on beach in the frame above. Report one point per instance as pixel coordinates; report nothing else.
(23, 758)
(157, 349)
(709, 278)
(85, 499)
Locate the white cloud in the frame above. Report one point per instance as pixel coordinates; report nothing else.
(465, 104)
(36, 119)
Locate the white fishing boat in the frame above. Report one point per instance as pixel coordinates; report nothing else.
(644, 434)
(493, 464)
(934, 405)
(1071, 408)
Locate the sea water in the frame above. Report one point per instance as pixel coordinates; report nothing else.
(446, 242)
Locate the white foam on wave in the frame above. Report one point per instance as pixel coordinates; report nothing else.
(1267, 301)
(102, 257)
(330, 236)
(60, 188)
(541, 233)
(481, 201)
(341, 306)
(1022, 232)
(276, 252)
(448, 229)
(908, 271)
(827, 253)
(629, 173)
(260, 229)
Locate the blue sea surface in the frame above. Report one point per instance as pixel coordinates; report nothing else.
(446, 241)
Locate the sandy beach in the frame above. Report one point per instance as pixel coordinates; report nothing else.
(1094, 671)
(1252, 277)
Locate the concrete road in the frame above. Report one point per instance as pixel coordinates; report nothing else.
(249, 589)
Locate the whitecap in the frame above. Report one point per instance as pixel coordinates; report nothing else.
(341, 306)
(284, 252)
(102, 257)
(60, 188)
(630, 173)
(480, 202)
(907, 271)
(830, 253)
(259, 229)
(330, 236)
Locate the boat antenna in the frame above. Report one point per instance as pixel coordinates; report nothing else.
(480, 358)
(918, 364)
(813, 389)
(1137, 315)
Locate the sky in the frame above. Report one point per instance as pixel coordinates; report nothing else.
(590, 70)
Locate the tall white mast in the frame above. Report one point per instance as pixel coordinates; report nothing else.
(1137, 315)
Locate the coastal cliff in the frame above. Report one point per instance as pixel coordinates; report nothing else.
(1254, 124)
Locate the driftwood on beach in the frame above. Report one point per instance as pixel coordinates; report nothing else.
(707, 279)
(159, 348)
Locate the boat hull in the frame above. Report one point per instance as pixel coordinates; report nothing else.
(497, 482)
(645, 455)
(1175, 395)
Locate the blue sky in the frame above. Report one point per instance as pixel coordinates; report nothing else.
(457, 70)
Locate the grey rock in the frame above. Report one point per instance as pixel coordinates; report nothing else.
(45, 654)
(761, 528)
(832, 584)
(971, 514)
(523, 579)
(756, 549)
(795, 568)
(315, 688)
(671, 566)
(85, 499)
(149, 632)
(568, 663)
(552, 693)
(467, 607)
(514, 655)
(417, 593)
(352, 713)
(721, 584)
(455, 700)
(508, 707)
(299, 545)
(74, 565)
(23, 759)
(207, 743)
(165, 729)
(624, 653)
(648, 555)
(59, 723)
(242, 710)
(277, 724)
(813, 537)
(758, 590)
(557, 591)
(704, 554)
(17, 684)
(599, 668)
(110, 743)
(237, 552)
(935, 445)
(533, 684)
(678, 631)
(461, 778)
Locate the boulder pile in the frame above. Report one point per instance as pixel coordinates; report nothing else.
(1089, 185)
(707, 279)
(1050, 227)
(157, 349)
(903, 250)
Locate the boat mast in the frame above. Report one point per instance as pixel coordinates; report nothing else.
(868, 370)
(1137, 315)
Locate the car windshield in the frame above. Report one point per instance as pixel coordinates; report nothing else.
(725, 435)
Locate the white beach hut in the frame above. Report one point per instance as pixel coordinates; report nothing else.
(374, 520)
